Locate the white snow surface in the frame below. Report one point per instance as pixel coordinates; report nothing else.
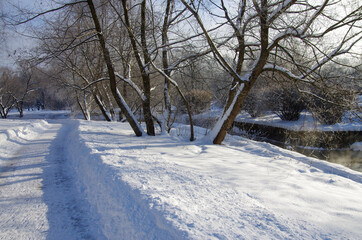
(305, 123)
(357, 146)
(74, 179)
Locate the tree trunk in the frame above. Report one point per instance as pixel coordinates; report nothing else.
(112, 78)
(166, 65)
(143, 65)
(235, 109)
(101, 107)
(86, 107)
(146, 74)
(2, 111)
(81, 107)
(227, 120)
(20, 109)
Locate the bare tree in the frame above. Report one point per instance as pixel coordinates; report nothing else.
(6, 98)
(25, 86)
(111, 74)
(168, 21)
(262, 32)
(142, 56)
(147, 38)
(88, 35)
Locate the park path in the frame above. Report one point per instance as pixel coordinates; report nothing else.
(37, 199)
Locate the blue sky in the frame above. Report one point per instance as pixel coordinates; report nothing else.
(14, 38)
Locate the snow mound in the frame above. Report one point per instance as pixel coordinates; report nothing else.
(12, 137)
(357, 146)
(30, 131)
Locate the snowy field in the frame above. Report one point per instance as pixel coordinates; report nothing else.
(74, 179)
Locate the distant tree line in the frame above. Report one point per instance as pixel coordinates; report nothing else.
(28, 88)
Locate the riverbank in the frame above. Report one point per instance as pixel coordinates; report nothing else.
(333, 143)
(326, 142)
(311, 138)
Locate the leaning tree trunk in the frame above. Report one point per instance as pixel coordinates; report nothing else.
(112, 77)
(230, 113)
(81, 108)
(101, 107)
(243, 89)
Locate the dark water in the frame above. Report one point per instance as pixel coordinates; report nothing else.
(345, 157)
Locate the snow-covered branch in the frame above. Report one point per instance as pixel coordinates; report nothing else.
(94, 82)
(280, 10)
(133, 85)
(286, 72)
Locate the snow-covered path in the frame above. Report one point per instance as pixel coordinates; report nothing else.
(36, 196)
(73, 179)
(65, 216)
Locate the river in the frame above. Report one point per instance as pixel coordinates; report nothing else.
(345, 157)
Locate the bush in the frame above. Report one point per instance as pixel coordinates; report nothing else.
(199, 100)
(330, 105)
(257, 103)
(288, 105)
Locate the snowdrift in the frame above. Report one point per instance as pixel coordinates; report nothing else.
(119, 211)
(15, 133)
(164, 188)
(357, 146)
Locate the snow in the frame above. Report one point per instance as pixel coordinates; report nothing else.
(279, 9)
(305, 123)
(357, 146)
(42, 114)
(36, 196)
(74, 179)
